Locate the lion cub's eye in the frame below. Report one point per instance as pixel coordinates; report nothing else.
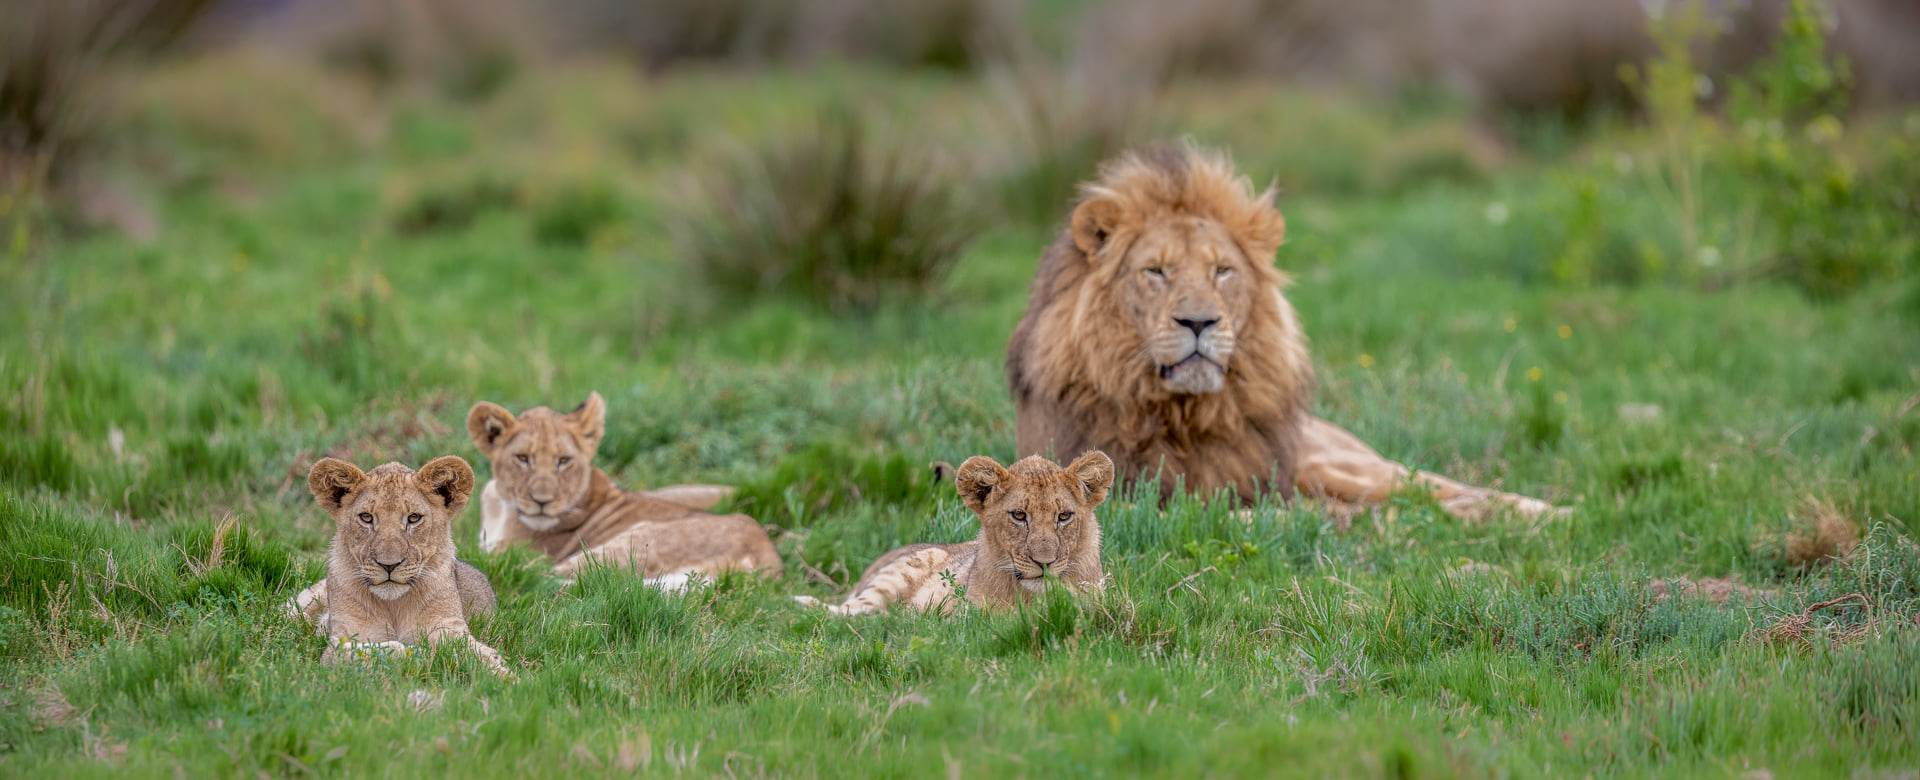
(366, 517)
(1157, 272)
(1019, 517)
(1221, 271)
(524, 460)
(565, 461)
(1065, 516)
(413, 519)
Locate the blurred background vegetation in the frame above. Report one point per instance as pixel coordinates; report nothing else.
(1700, 143)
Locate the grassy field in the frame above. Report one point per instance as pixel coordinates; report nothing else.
(344, 275)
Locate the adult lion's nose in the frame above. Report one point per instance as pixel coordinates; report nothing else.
(1196, 324)
(388, 566)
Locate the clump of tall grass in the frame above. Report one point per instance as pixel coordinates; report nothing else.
(836, 215)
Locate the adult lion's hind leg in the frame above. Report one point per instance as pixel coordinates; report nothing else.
(1333, 463)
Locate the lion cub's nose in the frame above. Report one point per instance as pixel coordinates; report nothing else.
(388, 566)
(1196, 324)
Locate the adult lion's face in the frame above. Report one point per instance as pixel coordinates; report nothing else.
(1035, 516)
(542, 460)
(1184, 283)
(393, 524)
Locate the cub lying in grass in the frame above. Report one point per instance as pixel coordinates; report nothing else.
(547, 493)
(392, 578)
(1034, 517)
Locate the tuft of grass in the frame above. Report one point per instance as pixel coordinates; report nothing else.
(834, 215)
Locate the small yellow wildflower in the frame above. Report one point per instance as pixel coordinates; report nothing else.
(1560, 397)
(1533, 374)
(1510, 323)
(1366, 360)
(1566, 331)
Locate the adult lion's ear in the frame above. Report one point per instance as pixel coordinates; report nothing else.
(332, 480)
(589, 419)
(448, 480)
(977, 479)
(489, 424)
(1094, 221)
(1093, 471)
(1264, 229)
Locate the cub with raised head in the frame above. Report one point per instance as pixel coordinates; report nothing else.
(1035, 518)
(392, 578)
(547, 493)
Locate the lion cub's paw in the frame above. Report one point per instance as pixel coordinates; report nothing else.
(809, 602)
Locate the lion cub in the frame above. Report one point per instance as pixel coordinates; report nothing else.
(1035, 517)
(547, 493)
(392, 578)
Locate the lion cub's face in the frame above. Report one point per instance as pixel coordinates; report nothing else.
(392, 524)
(542, 460)
(1186, 284)
(1036, 515)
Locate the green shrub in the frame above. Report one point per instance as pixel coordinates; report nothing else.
(574, 212)
(453, 208)
(834, 216)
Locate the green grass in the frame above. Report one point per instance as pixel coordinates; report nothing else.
(153, 390)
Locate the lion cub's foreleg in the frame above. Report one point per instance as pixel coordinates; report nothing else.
(1333, 463)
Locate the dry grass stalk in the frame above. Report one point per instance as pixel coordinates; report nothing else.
(1799, 629)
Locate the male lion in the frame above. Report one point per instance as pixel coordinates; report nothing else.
(1034, 517)
(546, 492)
(1157, 332)
(392, 578)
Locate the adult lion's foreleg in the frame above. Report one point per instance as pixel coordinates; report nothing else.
(1332, 463)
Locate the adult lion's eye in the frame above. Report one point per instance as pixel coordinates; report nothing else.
(524, 460)
(366, 517)
(1220, 272)
(1157, 272)
(1019, 517)
(565, 461)
(1065, 516)
(413, 519)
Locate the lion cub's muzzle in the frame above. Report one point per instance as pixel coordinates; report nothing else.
(390, 581)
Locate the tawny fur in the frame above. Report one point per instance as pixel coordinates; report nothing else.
(1035, 518)
(547, 493)
(392, 578)
(1157, 332)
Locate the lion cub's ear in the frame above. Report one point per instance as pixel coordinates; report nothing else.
(977, 479)
(447, 479)
(1094, 222)
(489, 424)
(589, 419)
(332, 480)
(1093, 471)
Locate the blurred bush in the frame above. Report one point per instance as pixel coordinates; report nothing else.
(1062, 126)
(56, 60)
(958, 35)
(465, 50)
(836, 215)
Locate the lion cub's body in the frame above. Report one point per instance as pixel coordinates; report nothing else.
(392, 578)
(546, 493)
(1034, 517)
